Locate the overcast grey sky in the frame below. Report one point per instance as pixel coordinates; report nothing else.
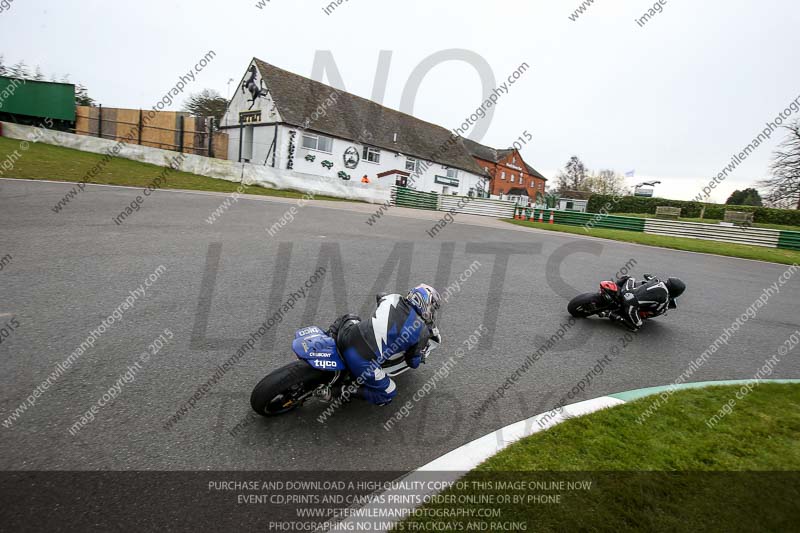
(673, 100)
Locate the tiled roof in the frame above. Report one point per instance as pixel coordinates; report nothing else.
(495, 155)
(354, 118)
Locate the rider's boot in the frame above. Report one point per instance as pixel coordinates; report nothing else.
(616, 317)
(327, 394)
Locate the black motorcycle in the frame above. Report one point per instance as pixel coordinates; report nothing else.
(607, 300)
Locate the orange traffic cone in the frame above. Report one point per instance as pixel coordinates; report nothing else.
(541, 217)
(552, 219)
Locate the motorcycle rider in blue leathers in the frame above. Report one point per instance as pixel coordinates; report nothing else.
(400, 324)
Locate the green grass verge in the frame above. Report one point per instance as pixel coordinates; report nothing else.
(774, 255)
(783, 227)
(48, 162)
(671, 473)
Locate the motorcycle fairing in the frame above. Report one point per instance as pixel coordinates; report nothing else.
(305, 332)
(317, 349)
(609, 286)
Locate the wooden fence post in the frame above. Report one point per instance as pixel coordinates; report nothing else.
(211, 137)
(180, 133)
(139, 136)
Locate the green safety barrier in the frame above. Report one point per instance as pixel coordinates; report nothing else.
(590, 220)
(404, 197)
(789, 240)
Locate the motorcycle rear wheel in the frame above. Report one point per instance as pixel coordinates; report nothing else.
(586, 305)
(287, 388)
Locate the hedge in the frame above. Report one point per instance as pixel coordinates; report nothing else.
(637, 204)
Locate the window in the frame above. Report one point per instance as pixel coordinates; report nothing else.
(503, 175)
(412, 164)
(318, 142)
(373, 155)
(452, 173)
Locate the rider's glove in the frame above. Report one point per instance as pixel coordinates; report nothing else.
(436, 337)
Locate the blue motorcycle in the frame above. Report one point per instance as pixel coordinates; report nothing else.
(319, 367)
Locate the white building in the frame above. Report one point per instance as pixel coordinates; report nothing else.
(572, 204)
(283, 120)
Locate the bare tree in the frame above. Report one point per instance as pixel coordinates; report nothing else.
(783, 188)
(573, 177)
(607, 182)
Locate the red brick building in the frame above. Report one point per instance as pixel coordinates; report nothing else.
(511, 177)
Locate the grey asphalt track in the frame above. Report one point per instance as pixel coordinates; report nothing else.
(70, 270)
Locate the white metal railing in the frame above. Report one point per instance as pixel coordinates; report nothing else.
(713, 232)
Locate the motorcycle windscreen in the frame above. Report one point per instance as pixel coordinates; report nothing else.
(319, 351)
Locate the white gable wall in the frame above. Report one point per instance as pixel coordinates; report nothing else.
(241, 101)
(258, 132)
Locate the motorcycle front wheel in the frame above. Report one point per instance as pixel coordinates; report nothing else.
(287, 388)
(586, 305)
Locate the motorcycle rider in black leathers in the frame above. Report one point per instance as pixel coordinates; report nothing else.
(651, 297)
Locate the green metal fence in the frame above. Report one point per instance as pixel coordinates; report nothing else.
(789, 240)
(404, 197)
(590, 220)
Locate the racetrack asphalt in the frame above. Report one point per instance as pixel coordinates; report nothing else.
(72, 269)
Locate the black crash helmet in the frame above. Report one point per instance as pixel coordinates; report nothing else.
(675, 287)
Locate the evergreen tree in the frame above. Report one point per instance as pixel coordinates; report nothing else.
(206, 103)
